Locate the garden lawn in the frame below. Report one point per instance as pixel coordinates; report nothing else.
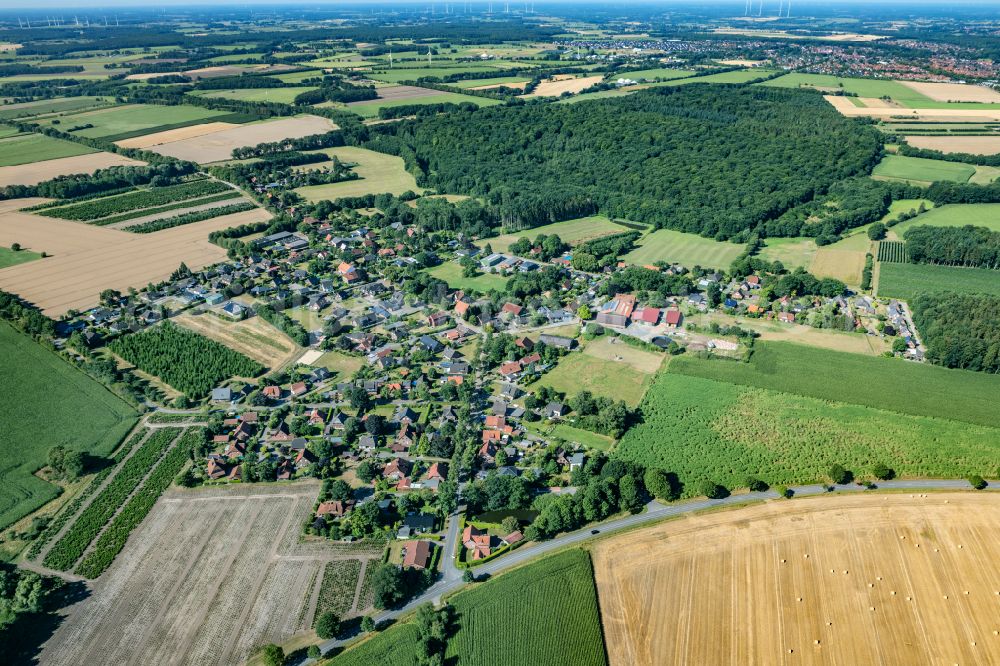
(905, 281)
(683, 248)
(882, 383)
(379, 173)
(10, 258)
(705, 429)
(549, 605)
(31, 148)
(451, 273)
(44, 402)
(899, 167)
(572, 232)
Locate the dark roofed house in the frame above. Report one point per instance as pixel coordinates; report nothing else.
(557, 341)
(222, 394)
(554, 410)
(419, 523)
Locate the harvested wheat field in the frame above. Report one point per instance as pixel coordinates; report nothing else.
(218, 146)
(972, 145)
(37, 172)
(145, 76)
(87, 259)
(209, 576)
(851, 579)
(253, 337)
(954, 92)
(557, 85)
(846, 108)
(844, 265)
(180, 134)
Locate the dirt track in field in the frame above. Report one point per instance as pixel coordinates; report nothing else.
(253, 337)
(207, 578)
(87, 259)
(860, 579)
(37, 172)
(218, 146)
(157, 138)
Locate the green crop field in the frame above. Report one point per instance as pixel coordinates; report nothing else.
(58, 105)
(855, 378)
(736, 76)
(413, 71)
(10, 258)
(135, 119)
(663, 73)
(686, 249)
(573, 232)
(451, 273)
(45, 401)
(280, 95)
(898, 167)
(30, 148)
(954, 215)
(860, 87)
(907, 280)
(7, 132)
(550, 606)
(378, 173)
(370, 109)
(705, 429)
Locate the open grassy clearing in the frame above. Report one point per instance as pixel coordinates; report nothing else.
(371, 108)
(772, 330)
(569, 434)
(830, 375)
(662, 73)
(10, 258)
(45, 402)
(683, 248)
(573, 232)
(133, 118)
(706, 429)
(792, 252)
(29, 148)
(252, 337)
(378, 173)
(898, 280)
(341, 363)
(519, 603)
(607, 368)
(834, 580)
(451, 272)
(954, 215)
(922, 171)
(211, 575)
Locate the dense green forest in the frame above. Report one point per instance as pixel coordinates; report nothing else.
(713, 160)
(970, 246)
(960, 330)
(189, 362)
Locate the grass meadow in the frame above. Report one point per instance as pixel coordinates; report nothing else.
(378, 173)
(954, 215)
(10, 258)
(29, 148)
(686, 249)
(573, 232)
(864, 380)
(280, 95)
(550, 606)
(370, 109)
(44, 402)
(662, 73)
(451, 273)
(920, 170)
(860, 87)
(134, 119)
(706, 429)
(904, 281)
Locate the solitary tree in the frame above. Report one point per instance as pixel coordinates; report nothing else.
(977, 482)
(314, 652)
(16, 247)
(839, 475)
(756, 485)
(328, 625)
(883, 472)
(273, 655)
(367, 624)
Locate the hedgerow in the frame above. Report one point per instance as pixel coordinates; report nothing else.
(96, 209)
(114, 537)
(143, 212)
(73, 544)
(189, 218)
(191, 363)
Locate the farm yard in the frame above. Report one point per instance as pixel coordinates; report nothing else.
(686, 249)
(252, 337)
(377, 173)
(568, 632)
(80, 414)
(848, 579)
(211, 575)
(218, 146)
(905, 281)
(703, 429)
(87, 259)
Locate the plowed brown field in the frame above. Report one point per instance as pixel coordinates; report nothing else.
(856, 579)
